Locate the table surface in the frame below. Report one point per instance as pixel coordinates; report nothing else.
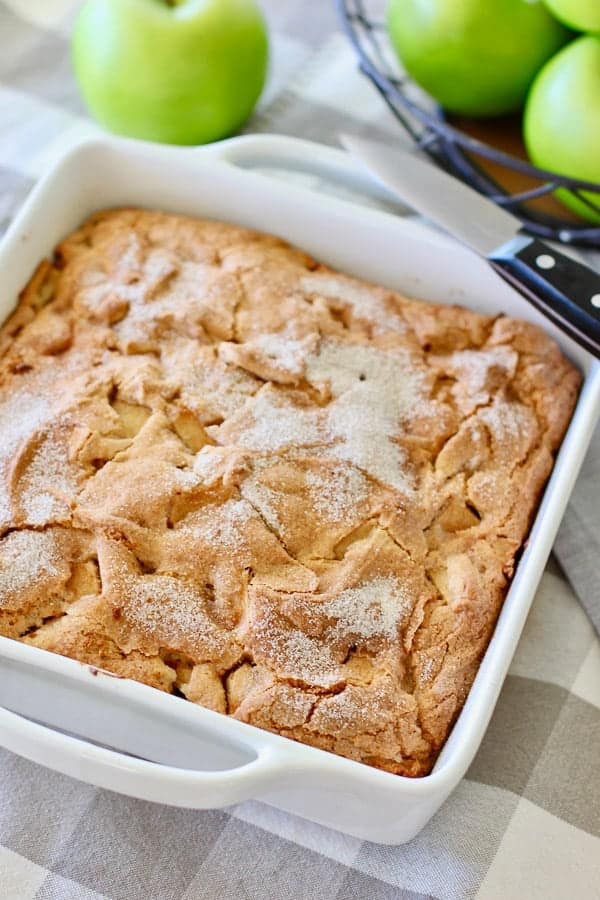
(524, 823)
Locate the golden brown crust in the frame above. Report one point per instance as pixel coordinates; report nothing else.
(290, 496)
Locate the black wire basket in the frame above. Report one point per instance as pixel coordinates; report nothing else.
(459, 153)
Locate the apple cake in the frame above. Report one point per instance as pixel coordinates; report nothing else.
(282, 493)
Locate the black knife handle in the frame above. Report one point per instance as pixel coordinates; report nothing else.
(564, 290)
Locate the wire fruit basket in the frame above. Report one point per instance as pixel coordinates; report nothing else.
(458, 152)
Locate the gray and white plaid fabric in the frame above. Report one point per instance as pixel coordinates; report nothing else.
(524, 824)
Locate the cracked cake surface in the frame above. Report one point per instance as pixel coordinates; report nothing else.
(235, 475)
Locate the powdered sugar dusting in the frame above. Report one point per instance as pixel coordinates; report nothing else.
(344, 366)
(129, 261)
(365, 302)
(279, 424)
(171, 610)
(373, 609)
(262, 497)
(223, 526)
(507, 421)
(307, 660)
(294, 654)
(334, 495)
(287, 352)
(187, 478)
(223, 387)
(483, 486)
(427, 669)
(22, 414)
(209, 462)
(375, 392)
(25, 557)
(366, 438)
(475, 365)
(47, 477)
(480, 372)
(155, 269)
(26, 411)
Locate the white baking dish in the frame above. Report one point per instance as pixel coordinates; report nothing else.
(183, 754)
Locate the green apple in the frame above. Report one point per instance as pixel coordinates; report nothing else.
(562, 119)
(582, 15)
(476, 57)
(180, 72)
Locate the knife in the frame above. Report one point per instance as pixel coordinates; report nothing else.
(565, 291)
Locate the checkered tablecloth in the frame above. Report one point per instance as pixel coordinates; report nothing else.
(524, 823)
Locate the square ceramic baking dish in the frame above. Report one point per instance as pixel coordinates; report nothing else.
(131, 738)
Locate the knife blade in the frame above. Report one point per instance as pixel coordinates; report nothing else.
(564, 290)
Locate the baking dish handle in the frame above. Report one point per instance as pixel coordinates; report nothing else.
(329, 164)
(137, 777)
(128, 737)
